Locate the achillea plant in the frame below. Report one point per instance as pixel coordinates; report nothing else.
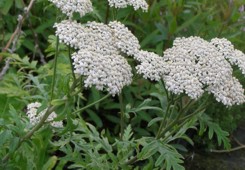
(104, 56)
(194, 65)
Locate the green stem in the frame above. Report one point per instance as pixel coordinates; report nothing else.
(164, 120)
(75, 83)
(187, 106)
(183, 111)
(107, 14)
(72, 69)
(165, 90)
(167, 113)
(171, 125)
(55, 66)
(177, 120)
(195, 112)
(91, 104)
(184, 121)
(121, 115)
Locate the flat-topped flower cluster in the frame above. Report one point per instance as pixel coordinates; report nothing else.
(100, 48)
(192, 66)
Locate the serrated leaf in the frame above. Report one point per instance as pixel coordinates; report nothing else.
(168, 157)
(127, 135)
(213, 128)
(148, 150)
(172, 159)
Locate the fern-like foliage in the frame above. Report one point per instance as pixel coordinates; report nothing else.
(167, 157)
(127, 135)
(213, 128)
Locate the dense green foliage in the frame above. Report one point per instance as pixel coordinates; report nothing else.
(99, 137)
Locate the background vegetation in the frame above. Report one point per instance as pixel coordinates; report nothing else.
(29, 78)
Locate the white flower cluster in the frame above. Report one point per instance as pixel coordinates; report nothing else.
(124, 3)
(235, 57)
(105, 39)
(110, 72)
(68, 7)
(194, 65)
(100, 46)
(36, 117)
(124, 39)
(151, 65)
(92, 36)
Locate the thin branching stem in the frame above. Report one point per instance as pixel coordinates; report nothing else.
(164, 120)
(180, 124)
(165, 90)
(229, 150)
(72, 68)
(55, 67)
(91, 104)
(107, 13)
(169, 126)
(121, 115)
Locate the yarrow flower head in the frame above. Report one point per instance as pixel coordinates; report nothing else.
(206, 66)
(194, 65)
(151, 65)
(124, 3)
(35, 117)
(125, 41)
(98, 58)
(68, 7)
(109, 72)
(92, 36)
(234, 56)
(109, 39)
